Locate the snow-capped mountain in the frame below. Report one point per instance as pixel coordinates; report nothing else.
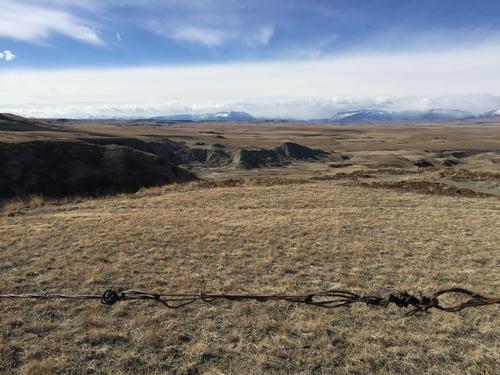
(233, 116)
(491, 114)
(446, 115)
(364, 115)
(219, 116)
(377, 116)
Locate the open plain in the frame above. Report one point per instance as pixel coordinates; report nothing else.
(407, 207)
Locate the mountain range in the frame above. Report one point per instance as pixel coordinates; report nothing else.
(219, 116)
(356, 116)
(345, 117)
(372, 115)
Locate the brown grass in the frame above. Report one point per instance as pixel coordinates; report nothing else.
(13, 205)
(17, 204)
(222, 183)
(250, 238)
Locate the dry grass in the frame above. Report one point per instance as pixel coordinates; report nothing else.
(279, 238)
(13, 205)
(17, 204)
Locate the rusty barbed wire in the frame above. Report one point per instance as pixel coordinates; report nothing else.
(326, 299)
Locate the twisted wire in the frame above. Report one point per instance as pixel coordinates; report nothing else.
(325, 299)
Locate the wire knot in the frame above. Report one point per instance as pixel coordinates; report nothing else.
(110, 297)
(405, 299)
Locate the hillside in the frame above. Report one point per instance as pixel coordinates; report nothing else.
(9, 122)
(59, 169)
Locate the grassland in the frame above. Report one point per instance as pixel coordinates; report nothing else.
(280, 238)
(366, 227)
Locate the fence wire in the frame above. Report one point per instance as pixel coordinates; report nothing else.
(326, 299)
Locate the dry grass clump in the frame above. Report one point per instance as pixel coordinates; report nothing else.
(17, 204)
(36, 201)
(13, 205)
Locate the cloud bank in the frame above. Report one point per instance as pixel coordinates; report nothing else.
(465, 78)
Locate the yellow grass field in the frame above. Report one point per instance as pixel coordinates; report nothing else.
(281, 238)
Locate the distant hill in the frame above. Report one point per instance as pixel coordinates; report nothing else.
(219, 116)
(9, 122)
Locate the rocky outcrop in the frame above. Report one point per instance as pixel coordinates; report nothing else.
(295, 151)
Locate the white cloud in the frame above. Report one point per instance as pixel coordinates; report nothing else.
(206, 36)
(7, 55)
(466, 78)
(212, 36)
(36, 24)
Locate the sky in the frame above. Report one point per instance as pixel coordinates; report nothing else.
(271, 58)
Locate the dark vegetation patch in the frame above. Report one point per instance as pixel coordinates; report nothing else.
(422, 163)
(339, 165)
(450, 162)
(466, 175)
(458, 154)
(426, 187)
(355, 175)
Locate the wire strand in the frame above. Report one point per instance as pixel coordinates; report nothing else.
(325, 299)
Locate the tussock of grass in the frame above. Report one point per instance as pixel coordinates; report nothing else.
(13, 205)
(17, 204)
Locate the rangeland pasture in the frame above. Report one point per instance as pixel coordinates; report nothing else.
(372, 223)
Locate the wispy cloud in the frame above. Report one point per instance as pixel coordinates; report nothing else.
(213, 36)
(208, 37)
(33, 23)
(7, 55)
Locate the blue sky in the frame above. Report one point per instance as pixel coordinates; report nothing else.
(291, 58)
